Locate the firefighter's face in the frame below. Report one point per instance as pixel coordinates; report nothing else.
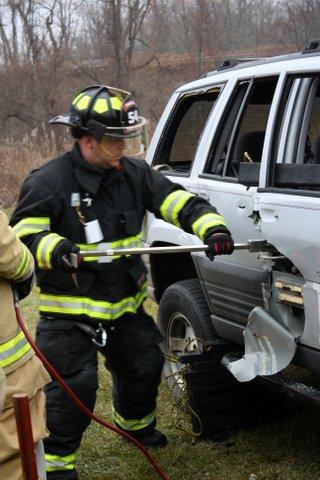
(107, 153)
(112, 147)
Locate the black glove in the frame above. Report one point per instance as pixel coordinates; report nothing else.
(24, 288)
(61, 256)
(219, 244)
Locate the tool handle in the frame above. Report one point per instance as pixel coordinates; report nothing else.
(25, 436)
(156, 250)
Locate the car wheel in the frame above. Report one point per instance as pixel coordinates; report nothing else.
(184, 321)
(220, 402)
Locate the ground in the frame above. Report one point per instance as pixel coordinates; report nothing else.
(284, 451)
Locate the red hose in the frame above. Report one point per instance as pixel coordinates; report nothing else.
(76, 400)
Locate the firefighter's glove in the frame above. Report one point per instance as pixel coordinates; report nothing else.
(61, 256)
(24, 288)
(219, 244)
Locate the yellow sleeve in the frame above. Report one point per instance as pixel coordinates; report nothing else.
(16, 262)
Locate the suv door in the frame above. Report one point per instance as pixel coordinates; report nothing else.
(233, 284)
(177, 148)
(289, 206)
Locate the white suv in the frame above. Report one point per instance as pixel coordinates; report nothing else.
(247, 138)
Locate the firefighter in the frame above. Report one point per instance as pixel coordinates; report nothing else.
(20, 370)
(96, 196)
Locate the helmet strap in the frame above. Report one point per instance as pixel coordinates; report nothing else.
(107, 151)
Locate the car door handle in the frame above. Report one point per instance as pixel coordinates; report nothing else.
(268, 214)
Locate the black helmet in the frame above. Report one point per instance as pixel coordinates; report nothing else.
(103, 111)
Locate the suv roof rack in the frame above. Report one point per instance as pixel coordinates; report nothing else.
(232, 62)
(312, 46)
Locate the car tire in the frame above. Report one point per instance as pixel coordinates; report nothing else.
(220, 402)
(184, 320)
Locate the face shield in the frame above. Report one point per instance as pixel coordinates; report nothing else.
(134, 139)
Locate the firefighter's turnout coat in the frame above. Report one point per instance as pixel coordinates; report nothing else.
(61, 198)
(20, 370)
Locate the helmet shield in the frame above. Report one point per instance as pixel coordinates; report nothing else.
(135, 145)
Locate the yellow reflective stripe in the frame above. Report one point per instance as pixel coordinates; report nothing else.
(116, 103)
(11, 343)
(87, 248)
(58, 462)
(100, 105)
(31, 225)
(173, 204)
(126, 242)
(133, 425)
(96, 309)
(13, 350)
(206, 221)
(45, 249)
(24, 265)
(78, 97)
(83, 102)
(134, 241)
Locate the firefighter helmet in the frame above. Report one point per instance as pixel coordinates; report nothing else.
(101, 111)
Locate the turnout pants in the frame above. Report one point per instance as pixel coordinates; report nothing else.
(135, 361)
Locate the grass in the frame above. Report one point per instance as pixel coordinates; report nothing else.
(284, 451)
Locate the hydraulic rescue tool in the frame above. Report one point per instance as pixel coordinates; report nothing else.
(251, 245)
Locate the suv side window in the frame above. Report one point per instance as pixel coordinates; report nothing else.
(181, 136)
(296, 152)
(240, 135)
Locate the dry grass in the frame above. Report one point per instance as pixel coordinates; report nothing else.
(283, 451)
(16, 162)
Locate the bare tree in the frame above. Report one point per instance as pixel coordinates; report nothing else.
(299, 22)
(119, 25)
(37, 60)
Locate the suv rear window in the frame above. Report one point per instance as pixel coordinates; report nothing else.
(295, 162)
(178, 146)
(240, 135)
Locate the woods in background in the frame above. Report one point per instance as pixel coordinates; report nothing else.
(49, 49)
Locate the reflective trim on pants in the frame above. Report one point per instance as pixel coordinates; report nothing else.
(58, 462)
(133, 425)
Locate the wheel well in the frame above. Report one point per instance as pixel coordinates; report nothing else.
(169, 268)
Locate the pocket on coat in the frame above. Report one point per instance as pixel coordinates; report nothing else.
(128, 223)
